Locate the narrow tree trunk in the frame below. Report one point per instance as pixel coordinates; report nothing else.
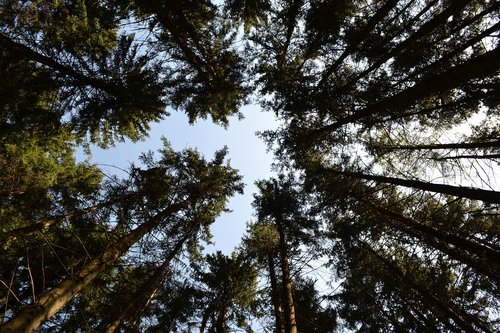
(147, 292)
(31, 317)
(458, 191)
(287, 286)
(454, 145)
(220, 324)
(487, 261)
(275, 297)
(426, 296)
(477, 67)
(475, 157)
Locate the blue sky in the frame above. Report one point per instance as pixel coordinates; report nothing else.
(247, 153)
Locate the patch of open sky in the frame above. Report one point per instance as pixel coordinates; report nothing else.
(247, 153)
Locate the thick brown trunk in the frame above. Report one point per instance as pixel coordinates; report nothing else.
(458, 191)
(31, 317)
(287, 286)
(275, 297)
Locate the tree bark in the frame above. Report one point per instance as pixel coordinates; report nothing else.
(31, 317)
(455, 145)
(458, 191)
(483, 65)
(475, 157)
(488, 259)
(287, 286)
(147, 292)
(275, 297)
(426, 296)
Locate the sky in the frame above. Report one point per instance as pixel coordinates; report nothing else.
(247, 153)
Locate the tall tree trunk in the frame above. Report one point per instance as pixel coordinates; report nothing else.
(220, 323)
(353, 45)
(486, 260)
(287, 286)
(453, 145)
(475, 157)
(147, 292)
(426, 296)
(458, 191)
(31, 317)
(275, 297)
(480, 66)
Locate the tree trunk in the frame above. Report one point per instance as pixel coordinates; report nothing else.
(458, 191)
(275, 297)
(31, 317)
(455, 145)
(146, 293)
(483, 65)
(475, 157)
(287, 286)
(487, 261)
(426, 296)
(220, 324)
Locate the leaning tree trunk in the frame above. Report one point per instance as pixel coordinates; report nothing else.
(436, 146)
(31, 317)
(458, 191)
(480, 66)
(426, 296)
(147, 292)
(290, 320)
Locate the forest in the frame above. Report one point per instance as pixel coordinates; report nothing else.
(386, 157)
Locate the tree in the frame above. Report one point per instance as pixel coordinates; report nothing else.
(230, 289)
(194, 187)
(389, 113)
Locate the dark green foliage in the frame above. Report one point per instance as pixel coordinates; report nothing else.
(386, 220)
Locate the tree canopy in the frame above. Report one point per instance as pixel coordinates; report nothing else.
(383, 215)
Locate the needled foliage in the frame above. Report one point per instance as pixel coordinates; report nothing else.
(383, 215)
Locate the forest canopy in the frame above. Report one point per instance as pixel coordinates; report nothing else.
(387, 159)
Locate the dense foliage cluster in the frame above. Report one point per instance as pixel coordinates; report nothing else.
(384, 215)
